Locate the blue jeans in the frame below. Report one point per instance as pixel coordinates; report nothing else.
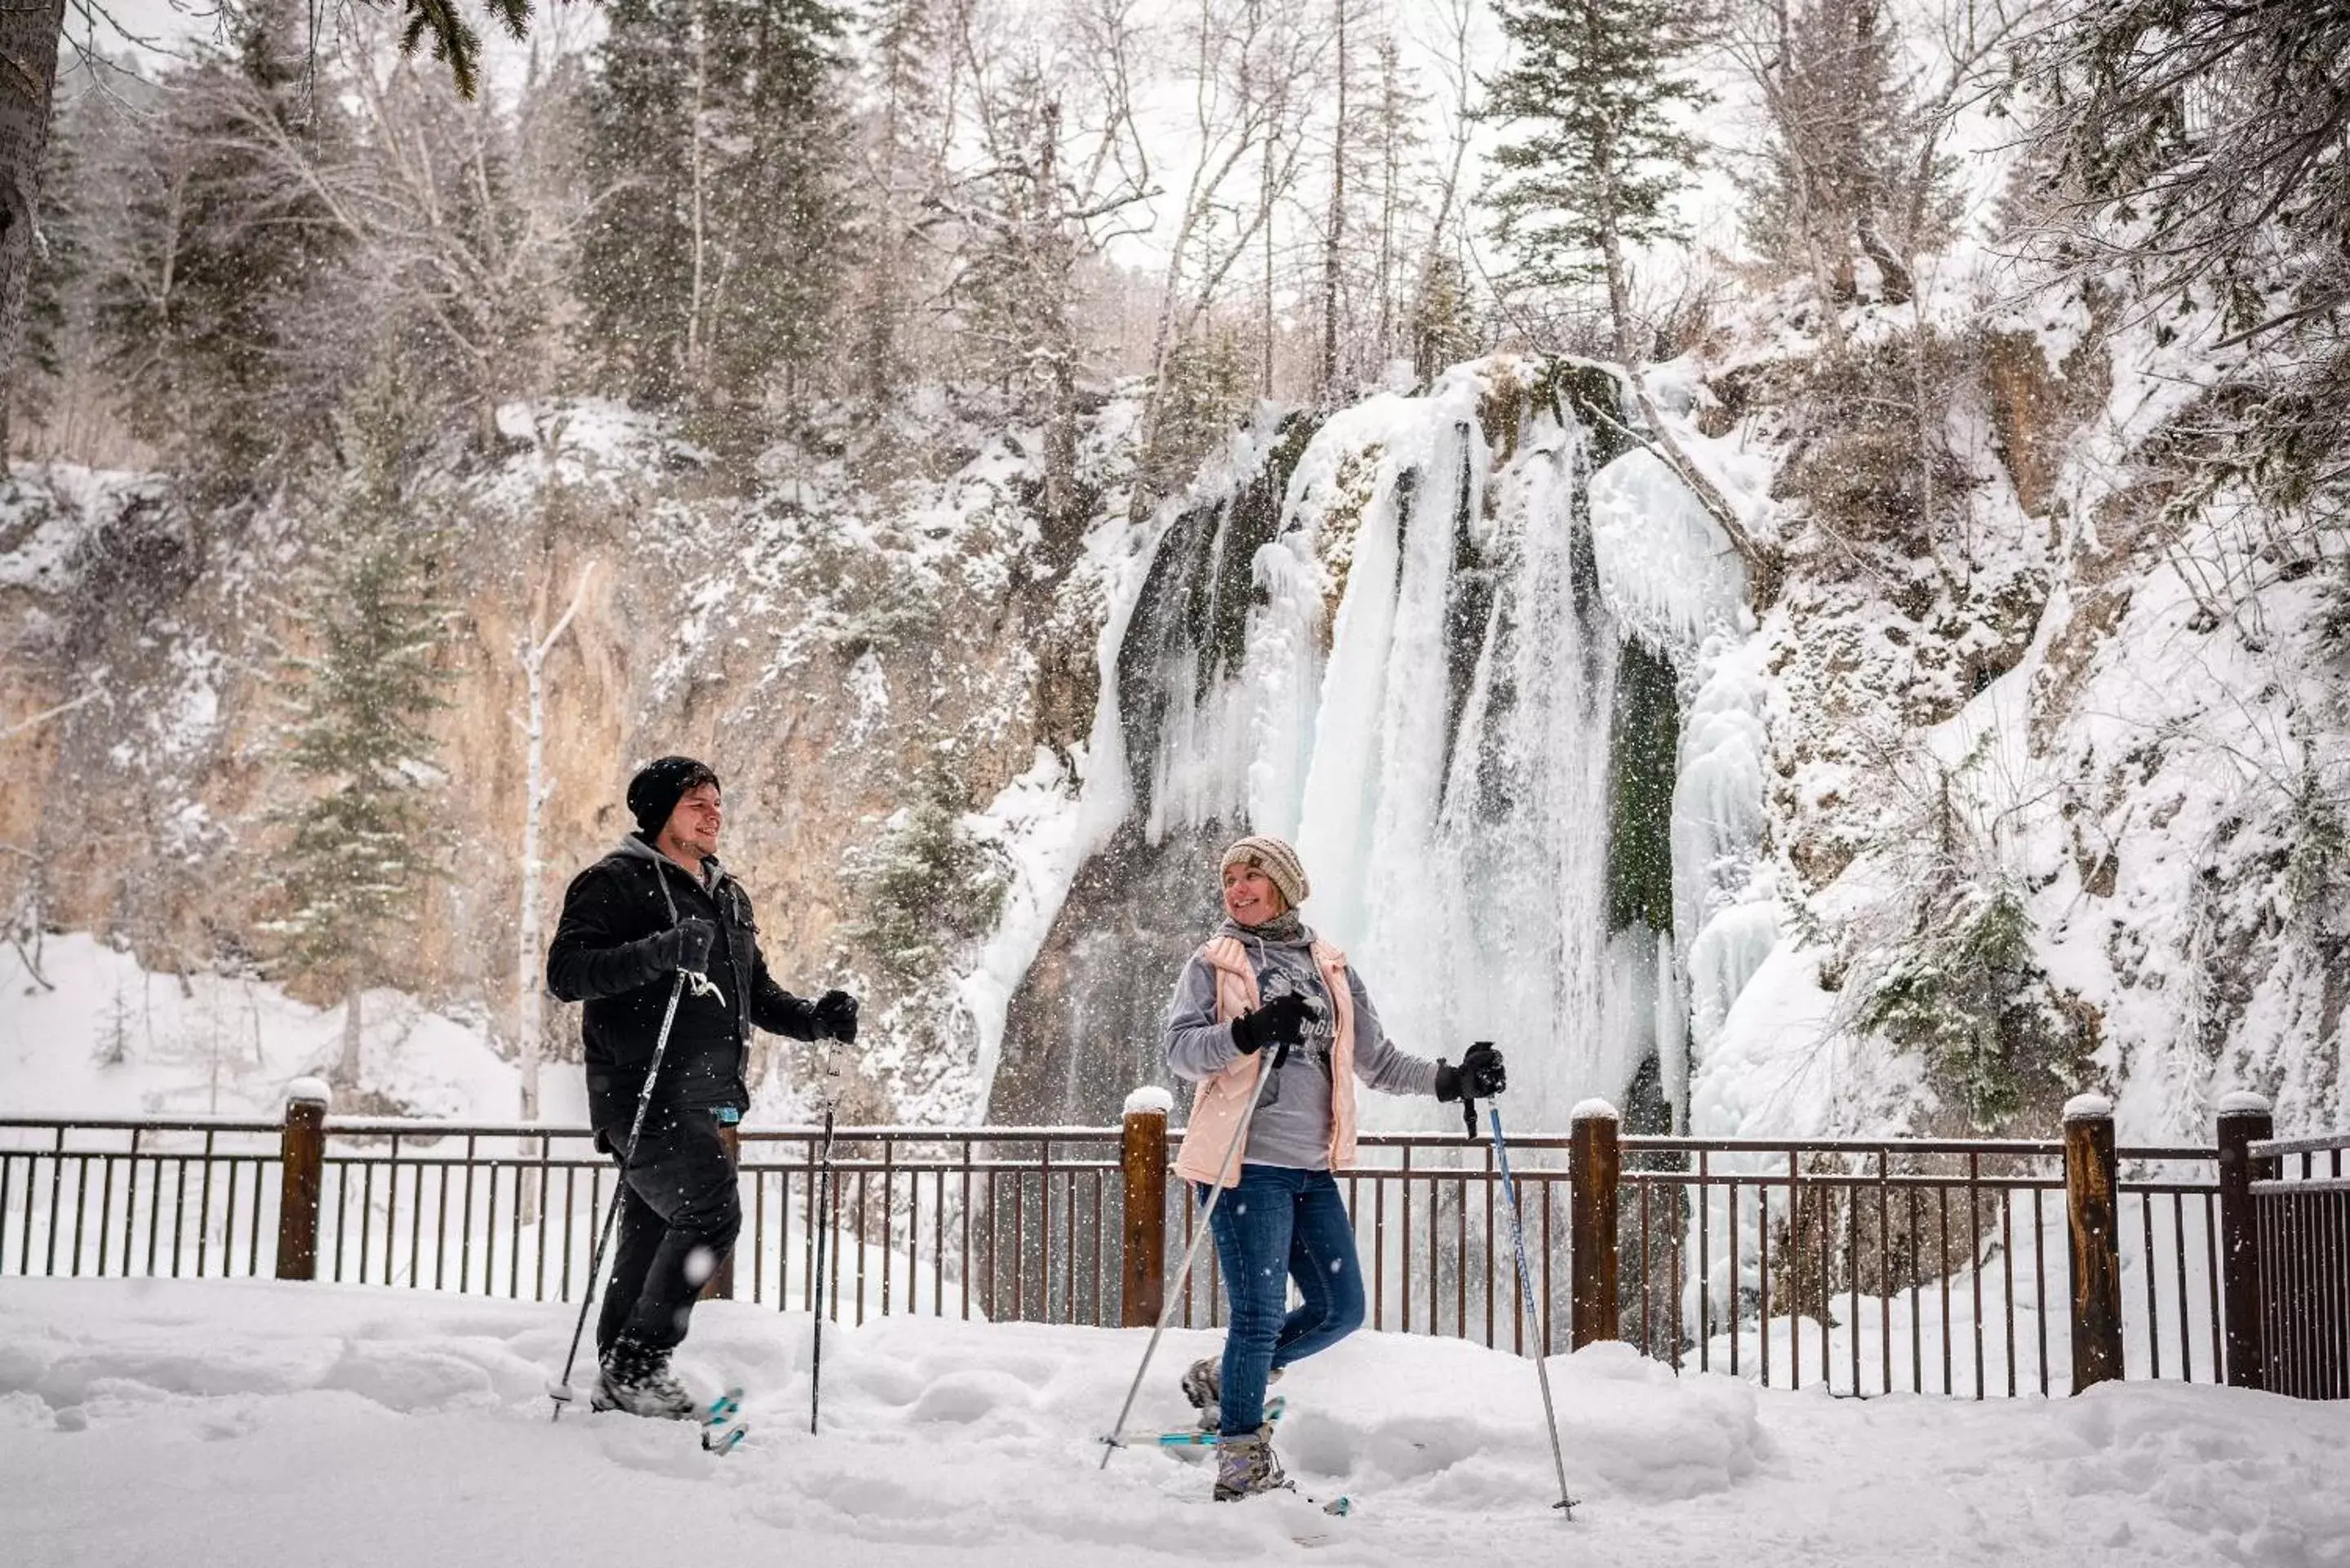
(1276, 1226)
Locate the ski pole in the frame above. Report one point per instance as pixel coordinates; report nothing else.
(823, 1217)
(562, 1392)
(1191, 1256)
(1526, 1298)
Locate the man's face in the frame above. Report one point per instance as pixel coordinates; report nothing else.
(1249, 896)
(694, 824)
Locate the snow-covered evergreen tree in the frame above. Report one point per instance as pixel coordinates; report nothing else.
(783, 220)
(636, 260)
(1850, 166)
(1591, 98)
(363, 846)
(715, 135)
(904, 131)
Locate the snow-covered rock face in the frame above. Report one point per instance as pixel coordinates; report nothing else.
(1399, 642)
(842, 641)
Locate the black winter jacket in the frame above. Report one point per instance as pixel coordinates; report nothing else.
(611, 912)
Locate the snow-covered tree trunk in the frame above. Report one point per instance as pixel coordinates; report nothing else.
(346, 1074)
(695, 306)
(1334, 241)
(530, 1014)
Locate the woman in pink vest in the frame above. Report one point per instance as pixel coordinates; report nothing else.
(1264, 989)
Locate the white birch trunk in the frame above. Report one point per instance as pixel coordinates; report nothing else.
(530, 993)
(347, 1068)
(530, 1010)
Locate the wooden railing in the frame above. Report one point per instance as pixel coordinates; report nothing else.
(1963, 1267)
(2286, 1206)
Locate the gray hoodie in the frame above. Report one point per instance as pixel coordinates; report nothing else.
(1293, 1119)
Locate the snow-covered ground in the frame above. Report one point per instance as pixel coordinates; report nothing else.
(234, 1423)
(104, 1037)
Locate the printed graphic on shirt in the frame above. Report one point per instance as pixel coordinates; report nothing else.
(1321, 1026)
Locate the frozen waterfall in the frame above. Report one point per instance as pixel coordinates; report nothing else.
(1444, 643)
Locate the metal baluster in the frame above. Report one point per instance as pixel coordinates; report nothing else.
(2040, 1284)
(2007, 1276)
(1974, 1257)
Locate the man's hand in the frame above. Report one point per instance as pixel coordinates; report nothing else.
(836, 1014)
(685, 946)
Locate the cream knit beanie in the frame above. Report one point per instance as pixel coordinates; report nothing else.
(1277, 860)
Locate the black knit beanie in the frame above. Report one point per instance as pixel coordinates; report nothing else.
(654, 793)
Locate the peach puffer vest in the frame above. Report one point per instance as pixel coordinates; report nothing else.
(1221, 1102)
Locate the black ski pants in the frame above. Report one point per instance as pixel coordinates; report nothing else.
(680, 1213)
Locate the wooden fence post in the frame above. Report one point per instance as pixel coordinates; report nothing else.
(2244, 1119)
(720, 1286)
(1144, 1289)
(1594, 1168)
(302, 1155)
(2093, 1209)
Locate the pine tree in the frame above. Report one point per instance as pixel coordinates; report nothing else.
(1377, 186)
(636, 262)
(1847, 163)
(29, 72)
(1400, 176)
(784, 219)
(714, 130)
(1443, 331)
(1016, 281)
(1206, 391)
(1591, 92)
(363, 848)
(205, 299)
(57, 259)
(904, 137)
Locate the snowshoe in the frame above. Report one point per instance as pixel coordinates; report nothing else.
(1246, 1466)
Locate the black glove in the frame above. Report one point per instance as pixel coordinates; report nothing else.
(1480, 1073)
(1280, 1023)
(836, 1014)
(684, 946)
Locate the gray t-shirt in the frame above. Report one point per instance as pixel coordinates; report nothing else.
(1292, 1118)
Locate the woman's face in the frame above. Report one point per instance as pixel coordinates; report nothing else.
(1249, 896)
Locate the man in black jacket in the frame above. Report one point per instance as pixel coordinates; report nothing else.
(659, 913)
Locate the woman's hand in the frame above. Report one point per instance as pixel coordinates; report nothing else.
(1480, 1073)
(1280, 1022)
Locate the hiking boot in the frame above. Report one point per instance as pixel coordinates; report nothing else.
(1246, 1466)
(1203, 1387)
(636, 1379)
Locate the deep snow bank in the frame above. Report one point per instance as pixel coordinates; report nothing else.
(234, 1423)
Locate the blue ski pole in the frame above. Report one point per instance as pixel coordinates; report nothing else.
(1525, 1288)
